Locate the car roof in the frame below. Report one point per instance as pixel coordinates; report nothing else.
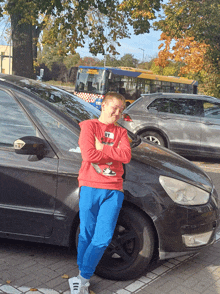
(179, 95)
(146, 99)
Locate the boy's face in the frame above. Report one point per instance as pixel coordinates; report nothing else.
(112, 109)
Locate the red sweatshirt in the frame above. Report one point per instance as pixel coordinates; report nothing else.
(103, 169)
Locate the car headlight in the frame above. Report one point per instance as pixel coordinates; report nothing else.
(183, 193)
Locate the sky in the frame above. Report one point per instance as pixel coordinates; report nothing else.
(143, 46)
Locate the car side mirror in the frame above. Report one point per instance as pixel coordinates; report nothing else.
(30, 145)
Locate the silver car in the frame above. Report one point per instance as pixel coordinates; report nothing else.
(188, 124)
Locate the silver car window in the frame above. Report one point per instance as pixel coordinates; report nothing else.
(183, 106)
(180, 106)
(64, 138)
(211, 110)
(160, 105)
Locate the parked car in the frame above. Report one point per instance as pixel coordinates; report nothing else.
(170, 207)
(188, 124)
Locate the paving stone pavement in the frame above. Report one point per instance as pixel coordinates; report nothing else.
(35, 268)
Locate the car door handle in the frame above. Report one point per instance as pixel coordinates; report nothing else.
(208, 123)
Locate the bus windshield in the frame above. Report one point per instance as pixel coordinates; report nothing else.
(92, 80)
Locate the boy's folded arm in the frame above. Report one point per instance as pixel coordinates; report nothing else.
(87, 145)
(122, 152)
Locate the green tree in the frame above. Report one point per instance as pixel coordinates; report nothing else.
(104, 23)
(171, 69)
(110, 60)
(146, 65)
(71, 60)
(49, 55)
(128, 60)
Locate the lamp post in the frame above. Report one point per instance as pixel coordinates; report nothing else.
(143, 53)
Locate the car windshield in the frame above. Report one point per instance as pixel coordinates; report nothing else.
(76, 108)
(66, 102)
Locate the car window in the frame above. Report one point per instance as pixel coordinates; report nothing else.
(14, 123)
(64, 138)
(211, 110)
(183, 106)
(160, 105)
(73, 106)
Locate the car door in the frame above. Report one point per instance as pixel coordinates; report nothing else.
(63, 137)
(210, 141)
(27, 185)
(182, 124)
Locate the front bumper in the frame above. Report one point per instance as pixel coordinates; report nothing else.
(190, 228)
(168, 255)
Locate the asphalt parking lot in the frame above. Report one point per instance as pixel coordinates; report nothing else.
(36, 268)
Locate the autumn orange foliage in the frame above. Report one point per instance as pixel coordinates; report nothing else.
(185, 50)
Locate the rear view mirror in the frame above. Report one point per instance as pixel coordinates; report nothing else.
(30, 145)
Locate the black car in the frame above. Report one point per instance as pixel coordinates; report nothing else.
(170, 206)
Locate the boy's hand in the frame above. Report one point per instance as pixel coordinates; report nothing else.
(98, 145)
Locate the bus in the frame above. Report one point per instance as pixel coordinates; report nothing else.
(93, 82)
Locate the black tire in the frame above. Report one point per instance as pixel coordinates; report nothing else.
(131, 249)
(153, 137)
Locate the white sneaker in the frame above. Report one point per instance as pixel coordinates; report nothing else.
(85, 289)
(76, 286)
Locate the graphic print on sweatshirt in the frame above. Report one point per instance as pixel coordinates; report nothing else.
(106, 170)
(108, 135)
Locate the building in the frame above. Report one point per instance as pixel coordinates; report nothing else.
(6, 59)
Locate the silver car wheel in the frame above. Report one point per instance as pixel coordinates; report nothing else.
(153, 139)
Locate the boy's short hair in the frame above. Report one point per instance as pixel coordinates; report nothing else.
(111, 95)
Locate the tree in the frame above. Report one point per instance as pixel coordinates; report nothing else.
(198, 19)
(89, 61)
(49, 55)
(22, 48)
(71, 60)
(103, 23)
(128, 60)
(25, 30)
(186, 50)
(171, 68)
(194, 27)
(110, 60)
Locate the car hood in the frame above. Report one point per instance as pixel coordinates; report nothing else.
(170, 164)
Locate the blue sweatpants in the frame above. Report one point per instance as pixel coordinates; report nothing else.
(98, 212)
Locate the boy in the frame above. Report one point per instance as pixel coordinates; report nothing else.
(104, 147)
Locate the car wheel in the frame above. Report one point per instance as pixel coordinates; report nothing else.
(131, 249)
(153, 137)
